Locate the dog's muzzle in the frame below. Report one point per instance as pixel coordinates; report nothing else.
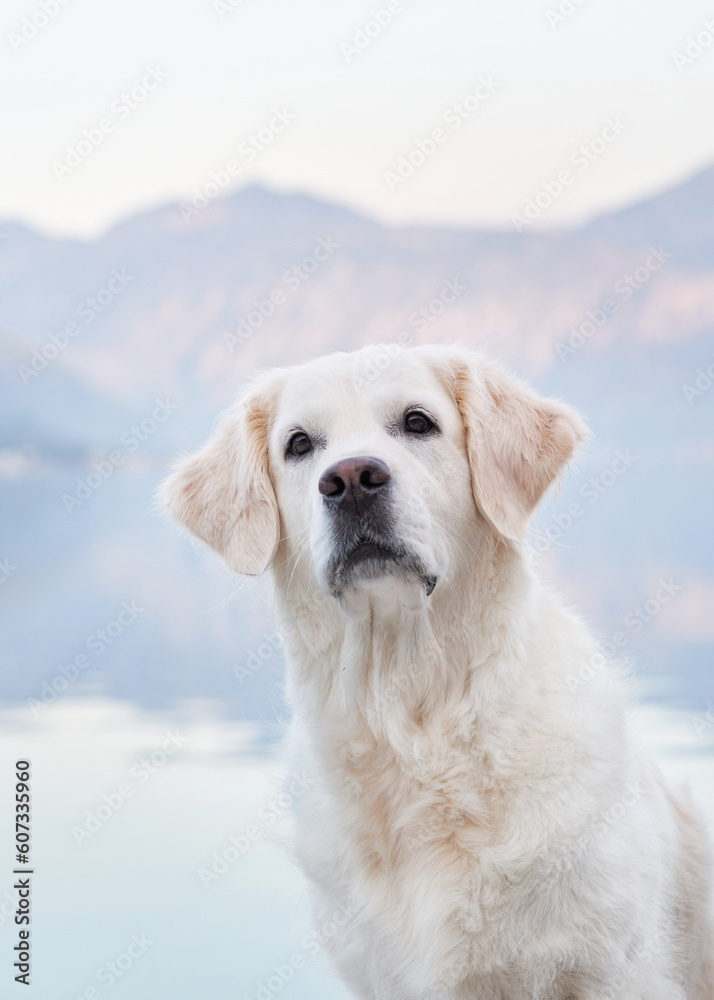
(357, 495)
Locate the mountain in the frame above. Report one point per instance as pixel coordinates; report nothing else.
(131, 344)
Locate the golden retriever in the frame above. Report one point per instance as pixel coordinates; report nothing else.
(494, 831)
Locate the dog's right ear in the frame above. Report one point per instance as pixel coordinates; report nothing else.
(223, 494)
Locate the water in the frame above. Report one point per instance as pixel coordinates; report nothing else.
(109, 874)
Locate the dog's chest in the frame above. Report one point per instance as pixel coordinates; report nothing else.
(409, 802)
(423, 852)
(420, 833)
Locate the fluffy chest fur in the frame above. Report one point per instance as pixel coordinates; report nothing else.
(451, 788)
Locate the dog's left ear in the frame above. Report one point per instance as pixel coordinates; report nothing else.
(223, 494)
(517, 442)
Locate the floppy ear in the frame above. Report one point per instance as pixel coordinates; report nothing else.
(223, 493)
(517, 442)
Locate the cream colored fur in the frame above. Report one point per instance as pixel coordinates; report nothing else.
(496, 832)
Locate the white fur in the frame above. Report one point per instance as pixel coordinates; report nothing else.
(493, 830)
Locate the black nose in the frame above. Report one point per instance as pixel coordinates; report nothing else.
(353, 479)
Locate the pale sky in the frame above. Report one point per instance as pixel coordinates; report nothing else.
(348, 118)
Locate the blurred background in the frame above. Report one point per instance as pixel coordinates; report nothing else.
(191, 191)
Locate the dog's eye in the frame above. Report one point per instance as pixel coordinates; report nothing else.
(417, 422)
(299, 444)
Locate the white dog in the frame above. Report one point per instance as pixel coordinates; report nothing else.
(488, 829)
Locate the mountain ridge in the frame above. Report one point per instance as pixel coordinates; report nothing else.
(699, 182)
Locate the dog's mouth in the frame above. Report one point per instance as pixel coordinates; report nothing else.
(366, 551)
(369, 559)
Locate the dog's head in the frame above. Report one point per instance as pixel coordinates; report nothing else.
(380, 467)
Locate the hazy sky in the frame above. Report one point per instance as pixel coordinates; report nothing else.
(541, 86)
